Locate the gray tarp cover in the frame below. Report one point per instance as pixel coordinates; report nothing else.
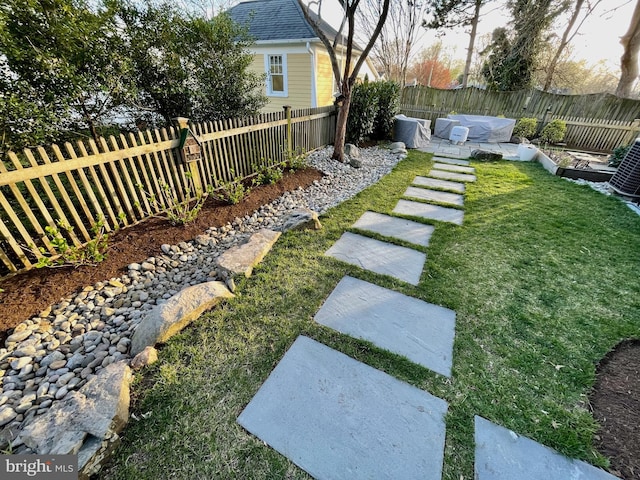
(486, 129)
(413, 132)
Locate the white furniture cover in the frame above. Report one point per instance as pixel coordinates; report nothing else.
(413, 132)
(486, 129)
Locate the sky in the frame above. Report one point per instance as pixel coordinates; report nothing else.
(599, 37)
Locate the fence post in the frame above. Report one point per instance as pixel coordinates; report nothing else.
(287, 112)
(190, 152)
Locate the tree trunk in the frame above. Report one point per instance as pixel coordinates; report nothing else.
(629, 60)
(472, 41)
(563, 43)
(341, 123)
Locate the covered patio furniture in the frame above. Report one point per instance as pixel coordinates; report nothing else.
(486, 129)
(443, 127)
(413, 132)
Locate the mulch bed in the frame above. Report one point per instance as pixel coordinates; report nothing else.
(28, 293)
(615, 402)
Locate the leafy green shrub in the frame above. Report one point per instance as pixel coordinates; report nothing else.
(525, 127)
(176, 211)
(618, 154)
(70, 255)
(268, 175)
(388, 100)
(296, 160)
(362, 112)
(553, 132)
(232, 192)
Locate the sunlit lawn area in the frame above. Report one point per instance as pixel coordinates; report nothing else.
(543, 278)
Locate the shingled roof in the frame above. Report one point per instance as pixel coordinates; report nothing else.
(277, 20)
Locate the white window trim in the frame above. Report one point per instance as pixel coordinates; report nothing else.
(267, 68)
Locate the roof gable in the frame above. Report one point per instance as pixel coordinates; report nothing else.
(277, 20)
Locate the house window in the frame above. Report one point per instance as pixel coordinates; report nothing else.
(276, 66)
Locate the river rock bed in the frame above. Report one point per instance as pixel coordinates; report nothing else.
(60, 350)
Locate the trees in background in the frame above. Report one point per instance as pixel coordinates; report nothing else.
(396, 44)
(435, 67)
(346, 77)
(458, 13)
(629, 61)
(512, 55)
(73, 66)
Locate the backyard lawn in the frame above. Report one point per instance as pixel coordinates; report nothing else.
(543, 279)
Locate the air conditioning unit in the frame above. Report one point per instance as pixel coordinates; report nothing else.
(626, 181)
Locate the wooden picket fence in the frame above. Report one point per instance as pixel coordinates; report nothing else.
(113, 182)
(596, 122)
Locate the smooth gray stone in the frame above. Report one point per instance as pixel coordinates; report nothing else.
(432, 212)
(437, 183)
(413, 232)
(453, 168)
(418, 330)
(456, 177)
(338, 418)
(451, 161)
(434, 195)
(504, 455)
(380, 257)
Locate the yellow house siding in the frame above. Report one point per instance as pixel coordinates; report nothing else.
(299, 76)
(324, 80)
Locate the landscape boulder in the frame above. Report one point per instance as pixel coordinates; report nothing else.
(351, 150)
(86, 422)
(169, 318)
(240, 259)
(301, 219)
(485, 155)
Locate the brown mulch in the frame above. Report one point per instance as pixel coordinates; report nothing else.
(615, 402)
(27, 294)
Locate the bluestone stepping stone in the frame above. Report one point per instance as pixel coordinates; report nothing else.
(413, 232)
(456, 177)
(337, 418)
(437, 183)
(504, 455)
(431, 212)
(452, 161)
(380, 257)
(434, 195)
(418, 330)
(453, 168)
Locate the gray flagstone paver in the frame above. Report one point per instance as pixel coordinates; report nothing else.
(504, 455)
(434, 195)
(401, 228)
(418, 330)
(453, 168)
(338, 418)
(432, 212)
(456, 177)
(452, 161)
(380, 257)
(437, 183)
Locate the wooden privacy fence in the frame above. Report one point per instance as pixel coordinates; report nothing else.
(113, 182)
(596, 122)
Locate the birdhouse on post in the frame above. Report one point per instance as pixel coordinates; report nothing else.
(190, 148)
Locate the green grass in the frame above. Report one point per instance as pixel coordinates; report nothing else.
(543, 277)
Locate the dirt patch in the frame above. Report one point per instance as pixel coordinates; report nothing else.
(27, 294)
(615, 403)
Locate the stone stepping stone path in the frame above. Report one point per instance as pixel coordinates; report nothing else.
(434, 195)
(430, 212)
(337, 418)
(454, 168)
(380, 257)
(452, 161)
(504, 455)
(412, 232)
(418, 330)
(437, 183)
(456, 177)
